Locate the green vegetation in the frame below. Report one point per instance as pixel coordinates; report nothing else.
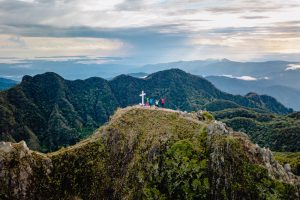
(292, 158)
(278, 132)
(149, 154)
(187, 92)
(235, 176)
(49, 112)
(208, 116)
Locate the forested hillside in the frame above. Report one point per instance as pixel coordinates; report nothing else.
(279, 133)
(49, 112)
(146, 153)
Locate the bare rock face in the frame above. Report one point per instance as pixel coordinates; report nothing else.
(5, 147)
(287, 167)
(275, 169)
(18, 167)
(200, 115)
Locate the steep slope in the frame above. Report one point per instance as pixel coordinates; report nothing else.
(292, 158)
(49, 112)
(149, 153)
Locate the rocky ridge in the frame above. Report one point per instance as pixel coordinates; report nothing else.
(146, 152)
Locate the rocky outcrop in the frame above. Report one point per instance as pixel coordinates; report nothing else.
(147, 153)
(19, 168)
(229, 159)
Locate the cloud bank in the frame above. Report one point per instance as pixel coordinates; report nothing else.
(149, 31)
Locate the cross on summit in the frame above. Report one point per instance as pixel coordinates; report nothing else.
(143, 97)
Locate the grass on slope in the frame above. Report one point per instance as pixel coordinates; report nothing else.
(293, 158)
(155, 154)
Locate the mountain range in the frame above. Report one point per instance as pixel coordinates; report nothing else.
(286, 95)
(279, 79)
(7, 83)
(274, 72)
(148, 153)
(49, 112)
(242, 85)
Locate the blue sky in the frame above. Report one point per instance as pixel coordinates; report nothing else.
(138, 32)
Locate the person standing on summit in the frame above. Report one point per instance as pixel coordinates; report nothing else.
(156, 103)
(162, 102)
(151, 101)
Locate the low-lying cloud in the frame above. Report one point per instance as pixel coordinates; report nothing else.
(244, 78)
(293, 67)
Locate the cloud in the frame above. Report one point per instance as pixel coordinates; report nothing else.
(97, 60)
(145, 43)
(150, 31)
(293, 67)
(17, 40)
(11, 60)
(239, 9)
(254, 17)
(16, 78)
(244, 78)
(45, 46)
(24, 66)
(255, 6)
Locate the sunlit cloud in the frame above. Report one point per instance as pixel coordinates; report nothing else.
(32, 47)
(149, 30)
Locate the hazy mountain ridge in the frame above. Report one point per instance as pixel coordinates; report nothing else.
(226, 67)
(49, 112)
(279, 79)
(146, 153)
(286, 95)
(7, 83)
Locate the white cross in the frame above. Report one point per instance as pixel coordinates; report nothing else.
(143, 96)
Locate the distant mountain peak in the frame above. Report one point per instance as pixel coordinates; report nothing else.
(225, 60)
(251, 94)
(7, 83)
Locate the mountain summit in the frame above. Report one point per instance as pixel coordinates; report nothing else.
(49, 112)
(147, 153)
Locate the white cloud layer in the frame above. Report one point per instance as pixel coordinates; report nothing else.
(151, 30)
(35, 47)
(244, 78)
(293, 67)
